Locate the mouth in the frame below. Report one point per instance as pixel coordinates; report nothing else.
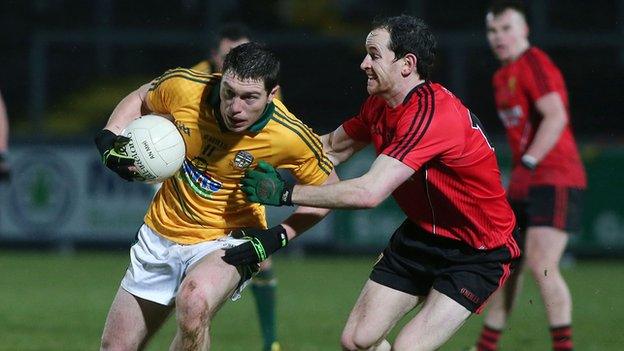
(235, 122)
(371, 77)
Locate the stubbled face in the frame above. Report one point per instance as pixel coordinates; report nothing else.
(225, 45)
(242, 101)
(507, 34)
(379, 64)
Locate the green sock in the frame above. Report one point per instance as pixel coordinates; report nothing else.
(263, 287)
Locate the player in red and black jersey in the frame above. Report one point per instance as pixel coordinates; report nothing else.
(456, 246)
(547, 178)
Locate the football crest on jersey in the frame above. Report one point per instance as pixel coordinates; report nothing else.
(511, 85)
(242, 160)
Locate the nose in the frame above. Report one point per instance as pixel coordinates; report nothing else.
(366, 63)
(236, 106)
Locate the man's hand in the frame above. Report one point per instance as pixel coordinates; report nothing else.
(112, 148)
(266, 186)
(262, 243)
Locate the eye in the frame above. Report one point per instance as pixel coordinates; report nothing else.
(228, 94)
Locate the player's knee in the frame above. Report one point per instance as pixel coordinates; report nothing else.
(363, 341)
(192, 307)
(346, 341)
(539, 266)
(109, 343)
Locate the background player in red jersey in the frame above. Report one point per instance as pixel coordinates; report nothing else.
(547, 178)
(456, 247)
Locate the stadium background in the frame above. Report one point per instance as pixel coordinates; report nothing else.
(66, 222)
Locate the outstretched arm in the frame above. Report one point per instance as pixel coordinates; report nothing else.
(367, 191)
(264, 185)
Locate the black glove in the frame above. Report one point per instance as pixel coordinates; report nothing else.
(5, 170)
(112, 148)
(262, 243)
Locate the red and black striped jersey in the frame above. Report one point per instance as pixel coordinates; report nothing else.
(517, 86)
(456, 191)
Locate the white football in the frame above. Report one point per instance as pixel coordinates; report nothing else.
(156, 146)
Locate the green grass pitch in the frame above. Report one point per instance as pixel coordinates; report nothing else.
(55, 302)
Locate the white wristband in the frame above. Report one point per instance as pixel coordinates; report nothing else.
(529, 161)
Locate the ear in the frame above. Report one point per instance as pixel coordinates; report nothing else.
(273, 92)
(409, 65)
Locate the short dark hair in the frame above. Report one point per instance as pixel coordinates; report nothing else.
(500, 6)
(409, 34)
(233, 31)
(253, 61)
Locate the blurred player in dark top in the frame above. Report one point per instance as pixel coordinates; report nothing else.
(455, 247)
(547, 178)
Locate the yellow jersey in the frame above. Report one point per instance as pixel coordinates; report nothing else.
(203, 200)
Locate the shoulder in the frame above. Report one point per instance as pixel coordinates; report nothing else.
(288, 124)
(183, 81)
(537, 60)
(441, 98)
(185, 76)
(292, 133)
(446, 107)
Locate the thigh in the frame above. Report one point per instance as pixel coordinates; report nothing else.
(439, 318)
(377, 310)
(132, 320)
(155, 269)
(214, 279)
(544, 246)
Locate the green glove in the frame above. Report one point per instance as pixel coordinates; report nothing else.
(264, 185)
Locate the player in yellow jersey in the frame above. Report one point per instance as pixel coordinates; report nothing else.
(263, 284)
(230, 123)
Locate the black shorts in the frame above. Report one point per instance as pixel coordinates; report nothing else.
(416, 261)
(550, 206)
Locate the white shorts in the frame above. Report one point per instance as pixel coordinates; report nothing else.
(157, 265)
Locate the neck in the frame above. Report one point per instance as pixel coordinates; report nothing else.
(521, 49)
(396, 96)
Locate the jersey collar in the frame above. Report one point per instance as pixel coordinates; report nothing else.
(215, 102)
(414, 89)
